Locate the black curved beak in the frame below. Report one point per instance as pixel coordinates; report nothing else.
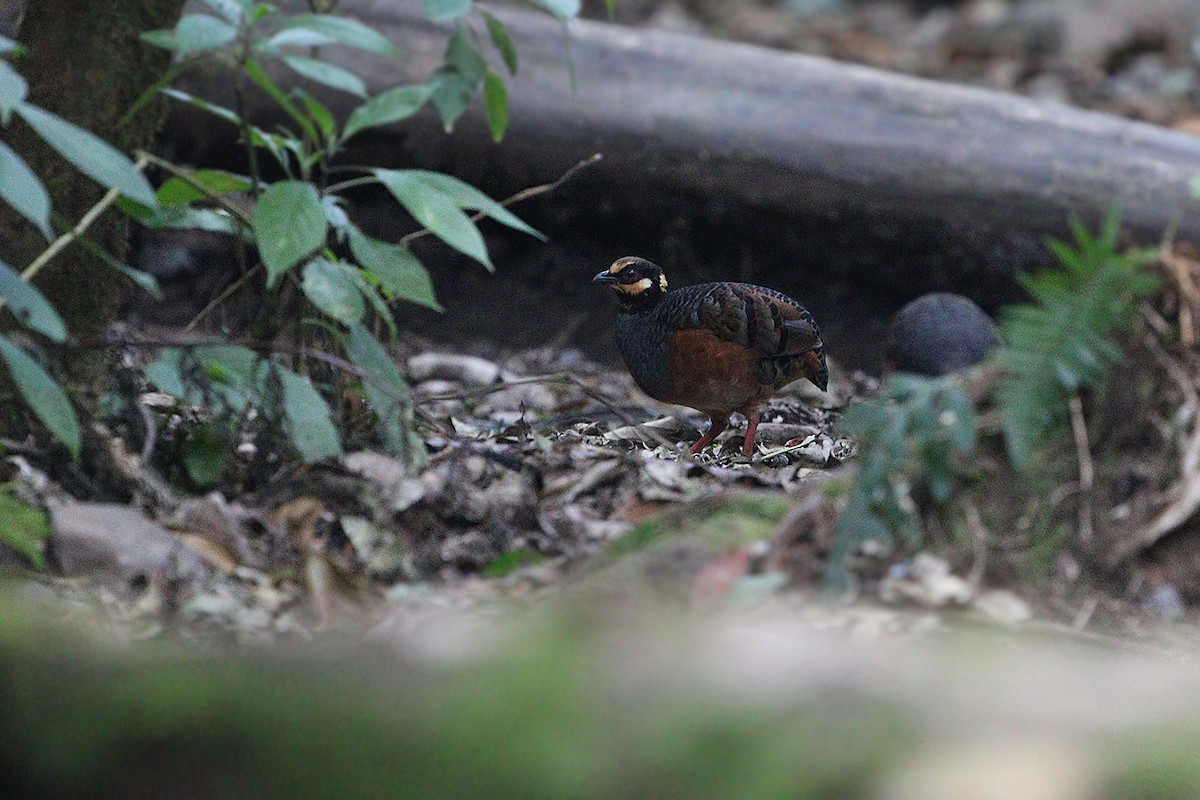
(605, 277)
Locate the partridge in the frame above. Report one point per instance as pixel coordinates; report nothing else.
(715, 347)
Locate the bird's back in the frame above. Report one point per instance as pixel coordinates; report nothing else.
(778, 336)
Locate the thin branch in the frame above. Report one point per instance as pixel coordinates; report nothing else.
(524, 194)
(335, 169)
(352, 183)
(85, 222)
(239, 89)
(225, 294)
(186, 176)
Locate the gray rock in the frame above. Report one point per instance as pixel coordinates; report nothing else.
(471, 370)
(938, 333)
(115, 543)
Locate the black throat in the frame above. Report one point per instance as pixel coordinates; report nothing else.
(641, 302)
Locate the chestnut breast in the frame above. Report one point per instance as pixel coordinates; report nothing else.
(720, 346)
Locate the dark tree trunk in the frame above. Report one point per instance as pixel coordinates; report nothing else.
(86, 64)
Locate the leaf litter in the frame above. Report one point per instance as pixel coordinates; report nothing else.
(529, 478)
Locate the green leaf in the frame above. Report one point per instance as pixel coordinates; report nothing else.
(235, 372)
(372, 295)
(467, 196)
(296, 37)
(320, 114)
(23, 527)
(184, 217)
(445, 10)
(399, 272)
(199, 32)
(311, 426)
(330, 289)
(13, 90)
(455, 82)
(143, 280)
(495, 103)
(165, 373)
(234, 11)
(262, 79)
(289, 224)
(464, 57)
(164, 39)
(90, 154)
(335, 214)
(451, 95)
(437, 211)
(24, 191)
(219, 111)
(390, 106)
(29, 306)
(327, 74)
(178, 192)
(503, 42)
(208, 453)
(389, 396)
(345, 30)
(510, 562)
(43, 395)
(560, 9)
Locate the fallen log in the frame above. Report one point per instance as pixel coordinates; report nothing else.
(841, 172)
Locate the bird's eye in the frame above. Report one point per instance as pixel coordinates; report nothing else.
(629, 275)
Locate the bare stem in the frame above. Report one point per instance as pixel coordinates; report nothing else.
(247, 135)
(225, 294)
(351, 183)
(186, 176)
(80, 229)
(524, 194)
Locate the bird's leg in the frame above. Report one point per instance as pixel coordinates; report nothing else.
(751, 430)
(717, 423)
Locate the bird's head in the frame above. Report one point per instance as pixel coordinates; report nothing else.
(638, 283)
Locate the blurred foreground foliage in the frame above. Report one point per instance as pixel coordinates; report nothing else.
(541, 718)
(574, 705)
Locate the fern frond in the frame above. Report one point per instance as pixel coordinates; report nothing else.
(908, 436)
(1060, 342)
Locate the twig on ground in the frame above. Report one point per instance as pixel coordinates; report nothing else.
(1084, 616)
(151, 432)
(1186, 491)
(560, 378)
(979, 537)
(782, 451)
(1087, 471)
(1189, 296)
